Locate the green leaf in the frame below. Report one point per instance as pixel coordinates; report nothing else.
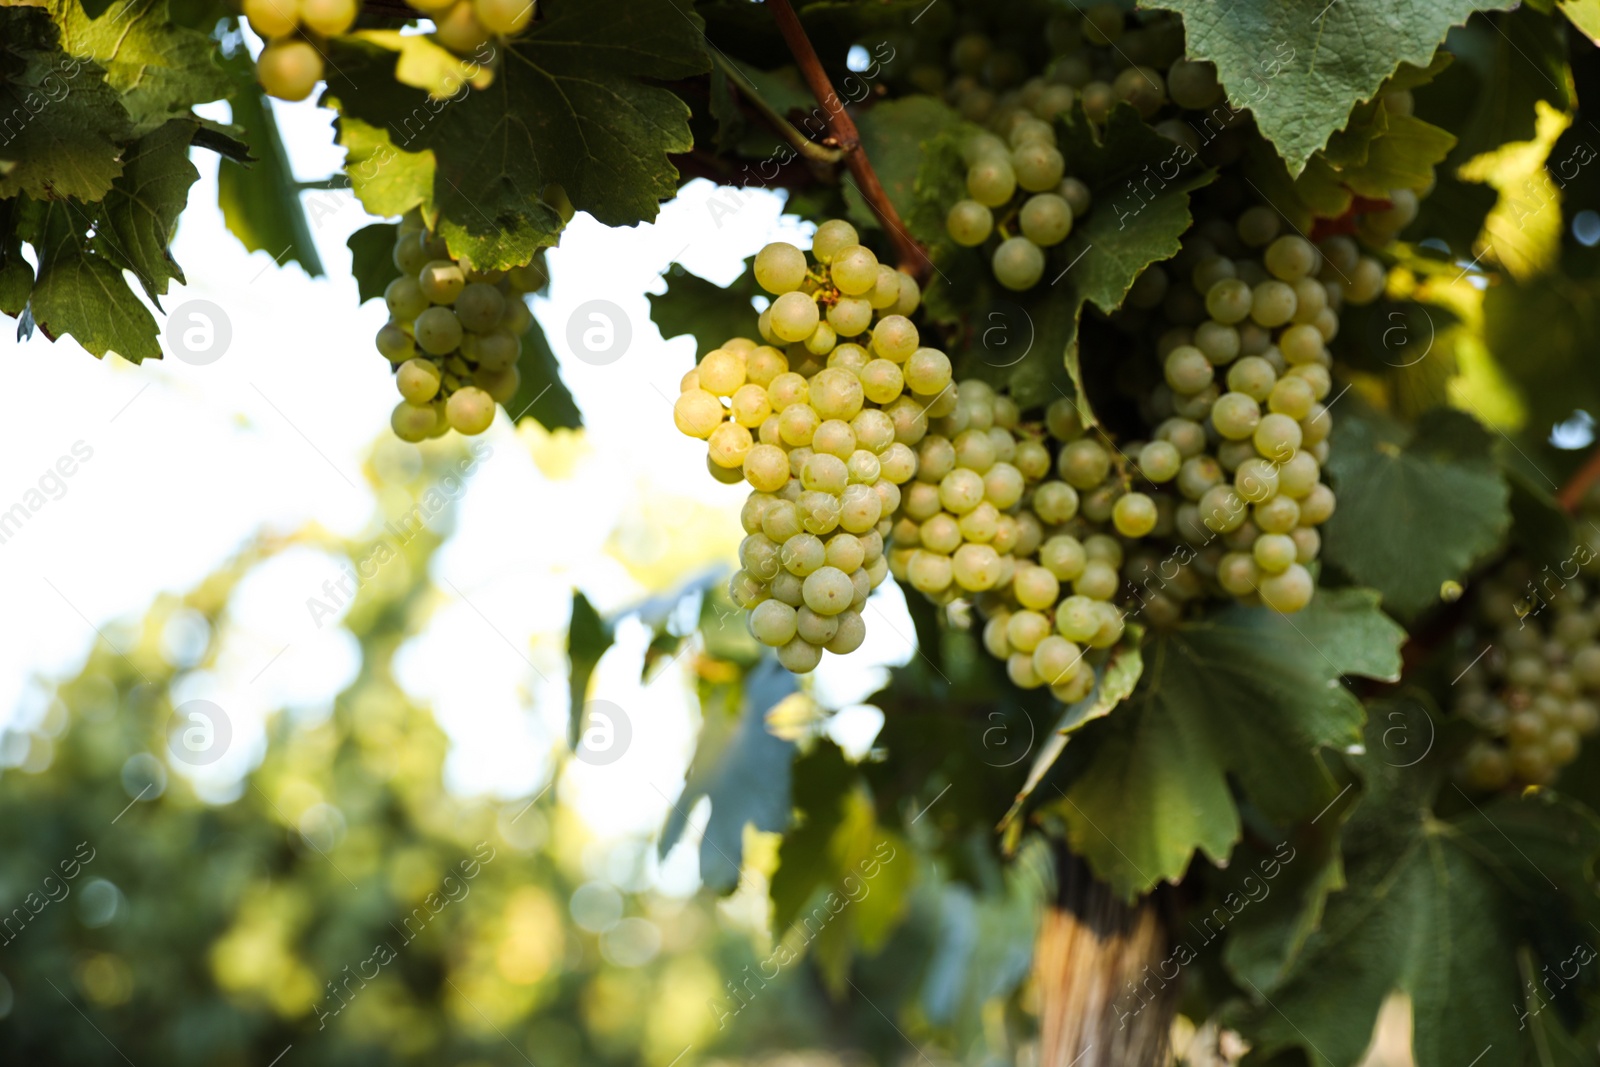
(1300, 67)
(1437, 908)
(541, 392)
(1246, 693)
(744, 770)
(260, 201)
(588, 637)
(161, 70)
(1414, 510)
(1585, 15)
(372, 259)
(141, 211)
(895, 135)
(711, 312)
(1554, 376)
(569, 105)
(68, 142)
(387, 180)
(80, 292)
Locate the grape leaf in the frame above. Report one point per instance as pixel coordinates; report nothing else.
(1245, 693)
(745, 772)
(387, 180)
(159, 69)
(568, 105)
(541, 392)
(372, 259)
(64, 125)
(260, 201)
(588, 637)
(81, 292)
(1438, 908)
(1555, 375)
(711, 312)
(138, 215)
(1300, 67)
(1413, 510)
(895, 135)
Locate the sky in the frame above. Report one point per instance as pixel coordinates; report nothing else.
(176, 466)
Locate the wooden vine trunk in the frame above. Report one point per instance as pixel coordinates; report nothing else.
(1101, 1000)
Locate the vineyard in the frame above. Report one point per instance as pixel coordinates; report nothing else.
(1199, 402)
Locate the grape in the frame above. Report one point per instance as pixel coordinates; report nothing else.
(729, 444)
(1084, 463)
(1004, 485)
(1102, 24)
(885, 292)
(794, 316)
(1256, 480)
(780, 268)
(1077, 195)
(1290, 258)
(459, 29)
(800, 656)
(1293, 397)
(1275, 554)
(442, 281)
(1018, 263)
(1187, 370)
(1222, 510)
(504, 17)
(930, 572)
(1134, 515)
(289, 69)
(773, 623)
(766, 467)
(1046, 219)
(271, 18)
(438, 331)
(1289, 591)
(850, 316)
(976, 567)
(1367, 280)
(852, 630)
(1098, 581)
(418, 381)
(1055, 502)
(927, 370)
(835, 394)
(480, 307)
(412, 423)
(404, 299)
(961, 490)
(1229, 301)
(697, 413)
(1193, 85)
(721, 372)
(991, 181)
(470, 410)
(1278, 436)
(395, 344)
(1217, 342)
(1037, 167)
(854, 270)
(894, 338)
(1143, 88)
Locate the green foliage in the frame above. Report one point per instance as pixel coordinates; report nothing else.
(260, 200)
(588, 637)
(711, 313)
(1299, 71)
(1416, 508)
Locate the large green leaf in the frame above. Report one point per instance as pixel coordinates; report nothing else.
(1438, 908)
(1415, 509)
(744, 770)
(569, 105)
(1542, 333)
(141, 211)
(387, 180)
(80, 290)
(68, 141)
(588, 637)
(541, 392)
(712, 313)
(161, 70)
(372, 259)
(1245, 693)
(1301, 65)
(260, 201)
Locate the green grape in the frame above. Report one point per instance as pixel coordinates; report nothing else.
(1160, 461)
(1256, 479)
(470, 410)
(1063, 556)
(1018, 264)
(395, 344)
(1272, 303)
(1104, 548)
(1253, 376)
(881, 381)
(1318, 505)
(289, 69)
(1198, 474)
(794, 316)
(816, 629)
(1055, 502)
(1290, 258)
(1229, 301)
(1187, 436)
(852, 631)
(780, 268)
(1274, 553)
(828, 590)
(974, 450)
(438, 331)
(1277, 437)
(1077, 196)
(1037, 166)
(750, 406)
(1367, 280)
(1187, 370)
(404, 299)
(930, 572)
(1003, 485)
(849, 316)
(721, 372)
(860, 508)
(412, 423)
(409, 254)
(1025, 629)
(832, 237)
(1301, 344)
(1292, 396)
(969, 223)
(800, 656)
(1211, 270)
(1046, 219)
(1031, 131)
(1218, 342)
(976, 567)
(418, 381)
(517, 318)
(1084, 463)
(441, 281)
(1134, 515)
(1238, 574)
(803, 554)
(822, 340)
(961, 490)
(1235, 416)
(1102, 24)
(1222, 510)
(766, 468)
(1099, 581)
(1307, 543)
(1289, 591)
(1143, 88)
(1277, 515)
(1193, 85)
(1298, 475)
(1057, 660)
(854, 270)
(894, 338)
(480, 307)
(991, 181)
(1077, 618)
(728, 445)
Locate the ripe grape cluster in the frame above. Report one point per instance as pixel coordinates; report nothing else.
(1532, 687)
(819, 420)
(453, 335)
(290, 65)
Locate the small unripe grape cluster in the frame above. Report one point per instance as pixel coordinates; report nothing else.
(290, 65)
(453, 335)
(820, 421)
(1533, 687)
(1018, 193)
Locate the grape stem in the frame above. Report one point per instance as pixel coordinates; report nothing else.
(821, 153)
(912, 258)
(1578, 485)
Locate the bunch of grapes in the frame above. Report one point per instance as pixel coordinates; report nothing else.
(453, 335)
(290, 65)
(1532, 689)
(819, 421)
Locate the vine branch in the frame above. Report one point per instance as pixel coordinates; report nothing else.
(913, 259)
(1572, 494)
(821, 153)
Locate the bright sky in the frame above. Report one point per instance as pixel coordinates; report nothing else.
(187, 463)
